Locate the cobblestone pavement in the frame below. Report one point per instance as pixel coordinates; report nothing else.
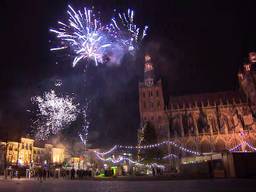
(222, 185)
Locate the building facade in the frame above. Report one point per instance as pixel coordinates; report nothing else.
(210, 122)
(24, 153)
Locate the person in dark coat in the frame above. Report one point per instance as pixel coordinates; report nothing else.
(72, 173)
(40, 174)
(44, 174)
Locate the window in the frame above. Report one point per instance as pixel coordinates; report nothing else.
(143, 93)
(157, 94)
(145, 105)
(158, 104)
(152, 118)
(152, 105)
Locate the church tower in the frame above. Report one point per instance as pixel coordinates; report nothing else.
(151, 100)
(247, 79)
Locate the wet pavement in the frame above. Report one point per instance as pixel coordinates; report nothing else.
(54, 185)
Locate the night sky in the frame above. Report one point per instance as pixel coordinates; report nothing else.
(197, 47)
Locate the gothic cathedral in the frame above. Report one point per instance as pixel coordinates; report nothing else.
(210, 122)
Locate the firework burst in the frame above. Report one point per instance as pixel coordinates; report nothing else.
(124, 29)
(83, 34)
(87, 38)
(54, 114)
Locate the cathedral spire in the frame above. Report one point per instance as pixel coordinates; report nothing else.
(148, 71)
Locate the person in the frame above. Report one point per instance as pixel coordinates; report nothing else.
(153, 171)
(44, 174)
(40, 174)
(72, 173)
(97, 172)
(11, 173)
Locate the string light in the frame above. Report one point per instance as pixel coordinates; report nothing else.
(243, 143)
(170, 143)
(171, 156)
(150, 147)
(250, 146)
(121, 159)
(235, 148)
(107, 152)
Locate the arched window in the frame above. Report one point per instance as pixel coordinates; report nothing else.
(157, 93)
(158, 104)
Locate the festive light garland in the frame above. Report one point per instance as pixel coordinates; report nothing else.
(170, 156)
(107, 152)
(250, 146)
(149, 147)
(121, 159)
(239, 145)
(235, 148)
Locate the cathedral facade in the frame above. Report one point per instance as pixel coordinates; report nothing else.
(210, 122)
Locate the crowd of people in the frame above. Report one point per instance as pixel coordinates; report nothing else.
(43, 174)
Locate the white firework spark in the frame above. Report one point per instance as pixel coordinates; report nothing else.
(83, 135)
(54, 114)
(58, 83)
(127, 33)
(83, 34)
(87, 38)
